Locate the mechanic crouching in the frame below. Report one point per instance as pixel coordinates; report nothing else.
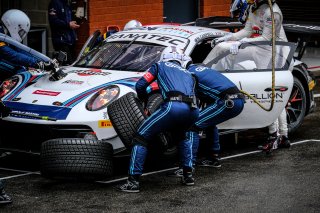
(177, 113)
(222, 101)
(16, 24)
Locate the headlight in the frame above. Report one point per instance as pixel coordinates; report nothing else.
(7, 86)
(102, 98)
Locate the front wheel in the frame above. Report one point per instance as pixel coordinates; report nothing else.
(296, 107)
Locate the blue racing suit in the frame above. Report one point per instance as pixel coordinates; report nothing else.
(12, 61)
(223, 102)
(176, 113)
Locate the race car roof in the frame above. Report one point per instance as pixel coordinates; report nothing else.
(175, 30)
(166, 35)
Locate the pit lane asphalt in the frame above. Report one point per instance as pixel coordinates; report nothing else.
(285, 181)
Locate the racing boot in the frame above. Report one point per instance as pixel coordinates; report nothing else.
(176, 173)
(187, 178)
(213, 161)
(4, 198)
(271, 144)
(284, 142)
(132, 185)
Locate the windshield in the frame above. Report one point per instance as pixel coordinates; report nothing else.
(120, 56)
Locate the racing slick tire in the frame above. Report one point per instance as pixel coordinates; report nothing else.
(76, 158)
(296, 106)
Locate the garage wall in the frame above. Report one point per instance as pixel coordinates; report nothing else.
(118, 12)
(300, 10)
(215, 8)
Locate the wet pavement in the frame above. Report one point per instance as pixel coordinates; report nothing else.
(248, 181)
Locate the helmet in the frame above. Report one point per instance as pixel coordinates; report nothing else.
(173, 53)
(17, 23)
(132, 24)
(239, 9)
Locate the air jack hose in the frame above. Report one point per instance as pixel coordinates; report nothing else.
(273, 66)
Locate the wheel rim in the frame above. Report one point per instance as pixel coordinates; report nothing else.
(296, 105)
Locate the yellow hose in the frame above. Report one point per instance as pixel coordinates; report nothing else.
(273, 66)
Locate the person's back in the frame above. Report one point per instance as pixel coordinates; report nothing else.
(211, 83)
(222, 101)
(183, 82)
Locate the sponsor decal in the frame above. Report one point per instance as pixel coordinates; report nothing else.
(147, 36)
(25, 113)
(266, 97)
(73, 82)
(177, 31)
(256, 32)
(45, 92)
(104, 124)
(90, 72)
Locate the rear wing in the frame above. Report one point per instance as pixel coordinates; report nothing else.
(302, 33)
(217, 22)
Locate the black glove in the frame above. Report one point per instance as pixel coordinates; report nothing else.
(4, 111)
(47, 66)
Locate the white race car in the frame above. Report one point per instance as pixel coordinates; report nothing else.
(69, 115)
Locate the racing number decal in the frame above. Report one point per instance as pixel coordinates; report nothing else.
(104, 124)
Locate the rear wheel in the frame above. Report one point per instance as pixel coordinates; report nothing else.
(296, 107)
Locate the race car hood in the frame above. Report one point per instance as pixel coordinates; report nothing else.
(78, 84)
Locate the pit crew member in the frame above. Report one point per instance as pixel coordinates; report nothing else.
(223, 101)
(258, 27)
(177, 113)
(16, 24)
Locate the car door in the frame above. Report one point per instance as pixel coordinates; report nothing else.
(251, 71)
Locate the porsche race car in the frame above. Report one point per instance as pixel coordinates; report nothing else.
(87, 115)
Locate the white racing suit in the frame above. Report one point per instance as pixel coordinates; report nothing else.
(257, 28)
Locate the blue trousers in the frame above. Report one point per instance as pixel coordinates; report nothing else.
(209, 117)
(172, 116)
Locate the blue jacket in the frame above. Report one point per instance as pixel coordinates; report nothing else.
(12, 60)
(170, 76)
(212, 85)
(60, 14)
